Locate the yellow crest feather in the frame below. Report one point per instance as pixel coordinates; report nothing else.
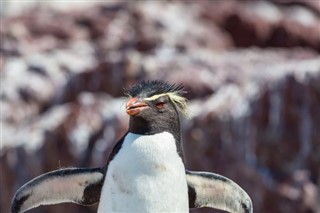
(179, 101)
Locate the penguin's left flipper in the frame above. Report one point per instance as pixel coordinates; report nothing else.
(76, 185)
(215, 191)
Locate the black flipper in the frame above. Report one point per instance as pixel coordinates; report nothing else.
(215, 191)
(76, 185)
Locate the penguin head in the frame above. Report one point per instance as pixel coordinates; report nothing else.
(153, 98)
(154, 105)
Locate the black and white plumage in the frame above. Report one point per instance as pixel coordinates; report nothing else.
(145, 171)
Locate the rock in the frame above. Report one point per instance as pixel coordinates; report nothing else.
(265, 24)
(266, 124)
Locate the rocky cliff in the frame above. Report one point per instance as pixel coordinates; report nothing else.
(251, 69)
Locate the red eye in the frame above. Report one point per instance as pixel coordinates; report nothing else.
(160, 105)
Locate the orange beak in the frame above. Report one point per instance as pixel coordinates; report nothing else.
(134, 106)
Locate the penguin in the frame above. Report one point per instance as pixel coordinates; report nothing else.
(145, 172)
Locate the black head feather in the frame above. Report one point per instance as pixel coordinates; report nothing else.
(150, 88)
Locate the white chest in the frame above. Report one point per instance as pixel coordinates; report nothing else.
(146, 175)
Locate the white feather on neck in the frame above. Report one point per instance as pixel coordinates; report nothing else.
(146, 175)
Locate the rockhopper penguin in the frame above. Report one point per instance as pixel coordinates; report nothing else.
(145, 171)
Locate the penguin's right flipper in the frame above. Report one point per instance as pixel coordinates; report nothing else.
(76, 185)
(216, 191)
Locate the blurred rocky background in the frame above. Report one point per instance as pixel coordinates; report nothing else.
(251, 69)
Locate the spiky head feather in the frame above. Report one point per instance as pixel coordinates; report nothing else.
(151, 90)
